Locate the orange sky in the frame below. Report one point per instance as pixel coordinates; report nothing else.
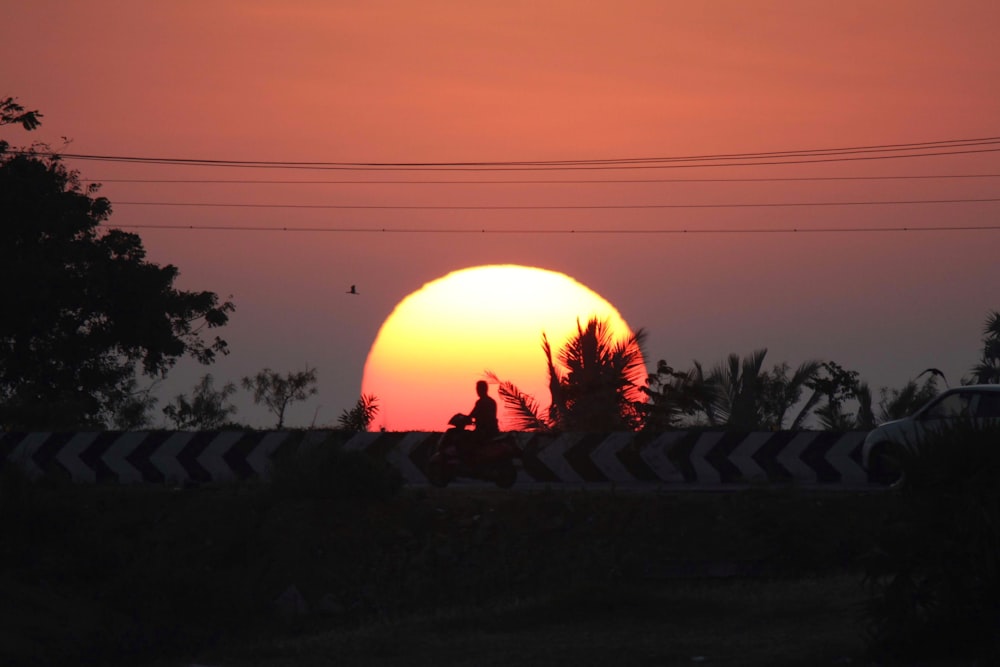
(433, 81)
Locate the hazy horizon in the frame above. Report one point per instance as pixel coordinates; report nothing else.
(445, 82)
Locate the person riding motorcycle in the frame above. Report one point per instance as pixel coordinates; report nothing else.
(482, 453)
(484, 413)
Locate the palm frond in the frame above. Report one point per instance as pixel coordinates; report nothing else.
(865, 419)
(526, 413)
(806, 410)
(557, 406)
(710, 393)
(991, 327)
(792, 392)
(738, 389)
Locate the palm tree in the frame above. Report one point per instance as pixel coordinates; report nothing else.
(738, 394)
(865, 419)
(737, 384)
(899, 403)
(781, 392)
(596, 385)
(673, 396)
(987, 371)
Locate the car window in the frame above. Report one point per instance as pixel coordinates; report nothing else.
(988, 406)
(950, 407)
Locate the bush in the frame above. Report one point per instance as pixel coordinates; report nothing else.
(327, 471)
(935, 571)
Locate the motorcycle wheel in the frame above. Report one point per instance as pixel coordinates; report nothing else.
(506, 476)
(437, 474)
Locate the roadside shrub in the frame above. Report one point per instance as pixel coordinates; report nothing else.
(934, 574)
(327, 471)
(32, 506)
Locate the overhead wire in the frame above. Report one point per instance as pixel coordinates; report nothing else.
(770, 158)
(853, 153)
(563, 231)
(787, 179)
(575, 167)
(556, 207)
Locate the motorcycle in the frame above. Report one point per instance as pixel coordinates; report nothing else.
(461, 453)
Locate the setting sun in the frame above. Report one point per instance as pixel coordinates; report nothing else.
(442, 338)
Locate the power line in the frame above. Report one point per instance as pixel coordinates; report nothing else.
(560, 207)
(535, 231)
(790, 179)
(514, 167)
(853, 153)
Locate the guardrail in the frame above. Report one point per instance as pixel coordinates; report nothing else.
(690, 457)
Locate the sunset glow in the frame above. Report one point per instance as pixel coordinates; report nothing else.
(440, 340)
(373, 127)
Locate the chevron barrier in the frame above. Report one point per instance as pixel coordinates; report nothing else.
(702, 458)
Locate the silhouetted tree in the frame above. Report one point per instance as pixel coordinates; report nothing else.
(130, 406)
(737, 394)
(277, 391)
(12, 113)
(81, 309)
(899, 403)
(359, 418)
(737, 383)
(832, 388)
(207, 409)
(741, 395)
(780, 392)
(673, 396)
(987, 371)
(599, 390)
(864, 420)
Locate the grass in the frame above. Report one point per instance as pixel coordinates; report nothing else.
(164, 577)
(747, 623)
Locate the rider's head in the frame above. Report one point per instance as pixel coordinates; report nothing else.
(482, 388)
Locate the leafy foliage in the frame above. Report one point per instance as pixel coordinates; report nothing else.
(207, 409)
(672, 397)
(899, 403)
(83, 309)
(737, 393)
(595, 387)
(747, 397)
(780, 392)
(935, 571)
(12, 113)
(834, 386)
(527, 413)
(278, 391)
(131, 409)
(987, 371)
(737, 384)
(359, 418)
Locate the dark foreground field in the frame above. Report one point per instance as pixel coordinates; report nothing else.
(243, 574)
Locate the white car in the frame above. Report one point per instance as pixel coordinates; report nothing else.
(976, 401)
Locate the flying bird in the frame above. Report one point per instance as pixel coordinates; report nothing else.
(935, 371)
(353, 290)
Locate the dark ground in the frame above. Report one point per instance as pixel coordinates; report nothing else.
(239, 574)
